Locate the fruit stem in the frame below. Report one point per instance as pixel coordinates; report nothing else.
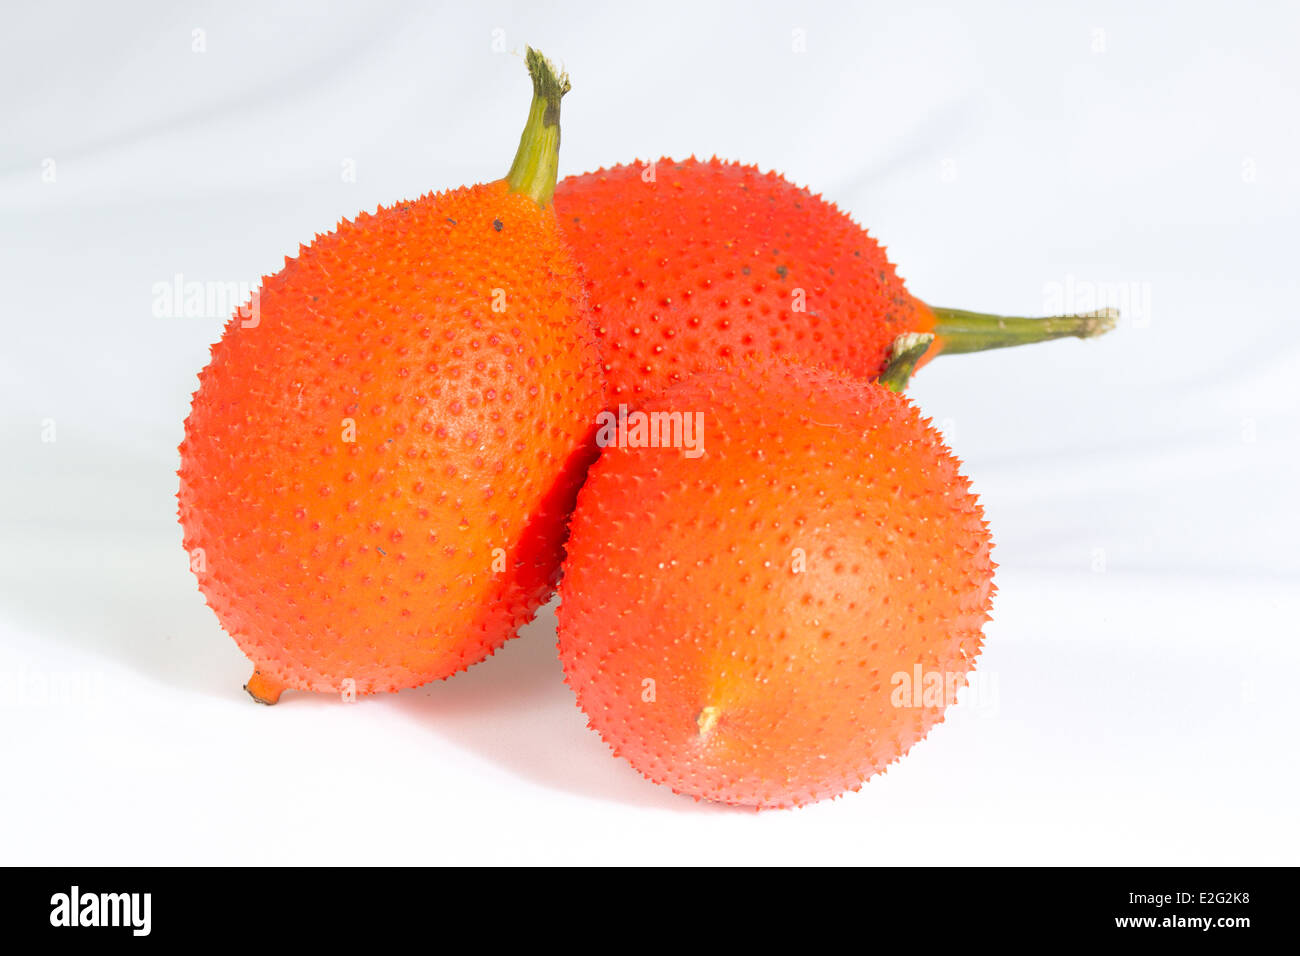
(904, 353)
(263, 689)
(959, 331)
(536, 164)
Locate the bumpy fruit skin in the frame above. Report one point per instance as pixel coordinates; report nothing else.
(715, 261)
(773, 589)
(379, 472)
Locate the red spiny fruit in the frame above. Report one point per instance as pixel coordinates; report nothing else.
(690, 264)
(738, 624)
(381, 458)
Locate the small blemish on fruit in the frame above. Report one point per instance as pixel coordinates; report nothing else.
(498, 225)
(381, 550)
(708, 717)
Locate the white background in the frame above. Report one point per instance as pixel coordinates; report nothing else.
(1141, 488)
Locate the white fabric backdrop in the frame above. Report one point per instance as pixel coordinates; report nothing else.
(1140, 487)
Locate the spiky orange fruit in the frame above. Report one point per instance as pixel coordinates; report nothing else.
(377, 472)
(690, 264)
(739, 625)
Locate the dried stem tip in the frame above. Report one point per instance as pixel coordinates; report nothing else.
(706, 719)
(904, 353)
(263, 689)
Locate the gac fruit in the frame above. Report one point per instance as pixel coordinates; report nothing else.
(382, 453)
(691, 264)
(735, 624)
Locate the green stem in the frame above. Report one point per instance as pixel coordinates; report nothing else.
(961, 331)
(904, 353)
(536, 163)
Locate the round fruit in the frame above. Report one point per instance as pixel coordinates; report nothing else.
(691, 264)
(739, 623)
(382, 454)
